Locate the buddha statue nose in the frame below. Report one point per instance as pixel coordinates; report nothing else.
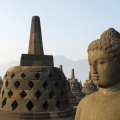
(94, 66)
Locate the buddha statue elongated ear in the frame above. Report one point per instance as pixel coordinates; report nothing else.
(108, 42)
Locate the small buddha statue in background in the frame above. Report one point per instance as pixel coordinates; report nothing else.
(104, 61)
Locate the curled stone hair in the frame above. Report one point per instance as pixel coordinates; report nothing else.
(108, 42)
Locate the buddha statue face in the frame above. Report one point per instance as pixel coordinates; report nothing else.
(105, 71)
(104, 59)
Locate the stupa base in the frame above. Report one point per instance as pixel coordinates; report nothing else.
(69, 118)
(74, 102)
(64, 115)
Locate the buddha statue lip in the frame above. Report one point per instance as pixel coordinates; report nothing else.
(95, 77)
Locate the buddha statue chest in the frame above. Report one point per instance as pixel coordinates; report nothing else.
(101, 107)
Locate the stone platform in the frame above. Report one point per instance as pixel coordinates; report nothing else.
(70, 118)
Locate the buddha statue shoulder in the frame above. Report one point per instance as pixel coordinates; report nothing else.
(104, 62)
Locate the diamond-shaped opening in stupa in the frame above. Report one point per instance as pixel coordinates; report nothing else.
(45, 84)
(10, 93)
(23, 75)
(38, 94)
(14, 105)
(7, 83)
(66, 101)
(2, 93)
(60, 76)
(46, 105)
(5, 75)
(29, 105)
(51, 94)
(12, 76)
(62, 93)
(37, 75)
(58, 104)
(56, 84)
(23, 94)
(31, 84)
(50, 76)
(4, 102)
(17, 84)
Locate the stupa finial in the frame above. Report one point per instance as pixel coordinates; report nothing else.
(35, 56)
(72, 74)
(60, 67)
(35, 43)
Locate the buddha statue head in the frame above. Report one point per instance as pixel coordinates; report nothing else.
(104, 59)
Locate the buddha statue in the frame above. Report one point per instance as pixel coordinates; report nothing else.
(104, 61)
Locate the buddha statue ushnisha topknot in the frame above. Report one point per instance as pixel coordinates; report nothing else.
(35, 90)
(104, 61)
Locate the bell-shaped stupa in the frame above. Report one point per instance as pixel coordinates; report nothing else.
(75, 87)
(89, 87)
(35, 90)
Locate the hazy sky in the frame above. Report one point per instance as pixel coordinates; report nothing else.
(68, 26)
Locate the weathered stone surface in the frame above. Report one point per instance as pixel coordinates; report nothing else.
(35, 56)
(72, 74)
(36, 60)
(35, 44)
(10, 118)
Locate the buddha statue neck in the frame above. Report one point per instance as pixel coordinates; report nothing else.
(110, 90)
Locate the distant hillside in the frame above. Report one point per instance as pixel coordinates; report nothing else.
(80, 67)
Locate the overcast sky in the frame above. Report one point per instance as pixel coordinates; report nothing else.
(68, 26)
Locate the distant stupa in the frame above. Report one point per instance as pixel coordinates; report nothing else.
(89, 87)
(75, 87)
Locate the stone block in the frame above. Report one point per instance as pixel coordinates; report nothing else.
(36, 69)
(16, 94)
(38, 106)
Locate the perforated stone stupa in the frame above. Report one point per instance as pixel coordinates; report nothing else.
(89, 87)
(35, 90)
(75, 87)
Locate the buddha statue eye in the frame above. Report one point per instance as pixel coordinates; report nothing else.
(101, 62)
